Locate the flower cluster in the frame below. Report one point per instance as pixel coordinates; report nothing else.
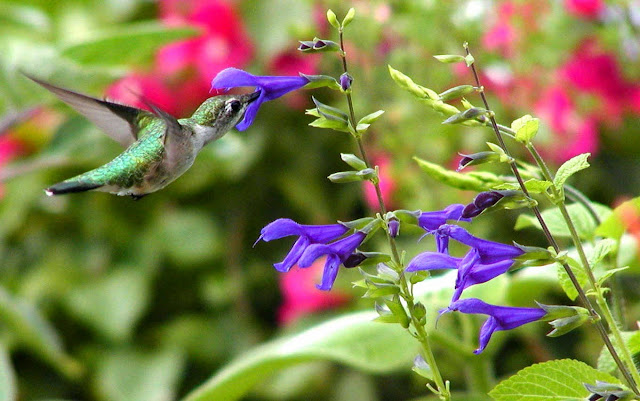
(484, 261)
(314, 242)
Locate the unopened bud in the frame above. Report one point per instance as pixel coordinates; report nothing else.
(345, 81)
(394, 228)
(305, 45)
(354, 260)
(477, 158)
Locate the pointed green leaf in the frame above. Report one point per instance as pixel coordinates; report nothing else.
(407, 83)
(456, 92)
(565, 281)
(569, 168)
(349, 17)
(560, 380)
(449, 58)
(352, 339)
(333, 20)
(602, 248)
(526, 128)
(533, 186)
(370, 118)
(353, 160)
(452, 178)
(107, 47)
(330, 124)
(609, 273)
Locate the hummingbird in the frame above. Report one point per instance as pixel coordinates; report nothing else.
(159, 147)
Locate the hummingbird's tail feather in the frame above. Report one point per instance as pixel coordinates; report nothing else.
(67, 187)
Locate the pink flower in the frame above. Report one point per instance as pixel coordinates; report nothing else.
(500, 38)
(387, 184)
(135, 88)
(10, 148)
(223, 43)
(589, 9)
(301, 297)
(574, 134)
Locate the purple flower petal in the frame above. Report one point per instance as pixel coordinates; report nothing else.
(489, 251)
(294, 254)
(337, 252)
(500, 317)
(270, 87)
(430, 221)
(432, 261)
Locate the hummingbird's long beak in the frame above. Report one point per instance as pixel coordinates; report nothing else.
(250, 97)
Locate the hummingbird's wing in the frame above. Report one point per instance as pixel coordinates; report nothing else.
(174, 134)
(116, 120)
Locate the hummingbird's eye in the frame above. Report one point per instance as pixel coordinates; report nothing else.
(235, 105)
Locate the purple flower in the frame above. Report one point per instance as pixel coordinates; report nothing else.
(500, 317)
(270, 87)
(337, 253)
(470, 270)
(488, 251)
(307, 234)
(431, 221)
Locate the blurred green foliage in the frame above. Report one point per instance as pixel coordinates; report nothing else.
(104, 298)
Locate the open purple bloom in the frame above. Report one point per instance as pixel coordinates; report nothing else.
(500, 317)
(270, 87)
(471, 272)
(337, 253)
(488, 251)
(307, 234)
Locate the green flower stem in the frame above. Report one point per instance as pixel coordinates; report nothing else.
(420, 332)
(629, 377)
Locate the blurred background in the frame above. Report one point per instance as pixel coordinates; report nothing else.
(106, 298)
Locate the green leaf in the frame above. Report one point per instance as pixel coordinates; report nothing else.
(30, 330)
(140, 40)
(353, 161)
(113, 304)
(330, 124)
(605, 360)
(526, 128)
(8, 391)
(452, 178)
(352, 339)
(607, 274)
(569, 168)
(449, 58)
(349, 17)
(582, 219)
(129, 375)
(333, 20)
(560, 380)
(370, 118)
(407, 83)
(602, 248)
(616, 224)
(533, 186)
(565, 281)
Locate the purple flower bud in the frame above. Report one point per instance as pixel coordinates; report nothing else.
(470, 211)
(355, 259)
(345, 81)
(305, 45)
(477, 158)
(394, 228)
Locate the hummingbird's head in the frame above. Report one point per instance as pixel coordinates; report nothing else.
(218, 114)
